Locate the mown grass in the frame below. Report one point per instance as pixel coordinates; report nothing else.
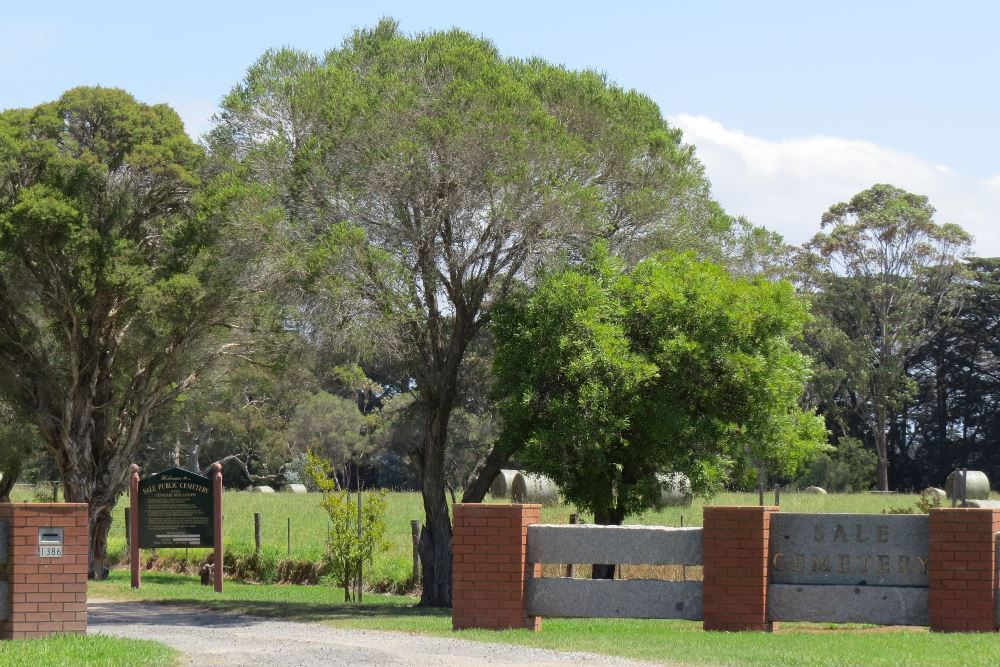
(85, 651)
(667, 642)
(391, 570)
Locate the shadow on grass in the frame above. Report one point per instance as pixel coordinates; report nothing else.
(303, 611)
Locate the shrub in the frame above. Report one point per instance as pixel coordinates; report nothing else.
(350, 545)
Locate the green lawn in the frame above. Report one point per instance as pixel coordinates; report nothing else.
(392, 569)
(84, 651)
(669, 642)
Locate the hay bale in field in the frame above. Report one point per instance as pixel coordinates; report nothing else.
(500, 488)
(261, 489)
(977, 485)
(531, 488)
(934, 492)
(814, 489)
(295, 488)
(675, 490)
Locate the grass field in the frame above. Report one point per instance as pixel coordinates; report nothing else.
(668, 642)
(391, 570)
(85, 651)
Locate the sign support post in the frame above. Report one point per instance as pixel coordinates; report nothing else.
(216, 475)
(133, 528)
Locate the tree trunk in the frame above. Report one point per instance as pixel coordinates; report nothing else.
(100, 526)
(612, 517)
(882, 449)
(484, 474)
(435, 538)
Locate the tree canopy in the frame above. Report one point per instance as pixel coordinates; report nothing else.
(610, 376)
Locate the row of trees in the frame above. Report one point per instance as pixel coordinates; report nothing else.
(364, 236)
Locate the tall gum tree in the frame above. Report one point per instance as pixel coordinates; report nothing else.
(113, 286)
(882, 279)
(420, 177)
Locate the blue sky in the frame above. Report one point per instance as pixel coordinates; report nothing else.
(792, 105)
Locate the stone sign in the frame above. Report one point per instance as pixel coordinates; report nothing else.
(853, 549)
(175, 510)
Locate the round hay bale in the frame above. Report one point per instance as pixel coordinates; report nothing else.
(977, 485)
(814, 489)
(262, 489)
(531, 488)
(500, 488)
(295, 488)
(934, 492)
(675, 490)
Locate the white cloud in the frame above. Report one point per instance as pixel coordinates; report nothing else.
(786, 185)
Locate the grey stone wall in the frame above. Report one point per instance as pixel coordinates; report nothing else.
(849, 549)
(881, 605)
(609, 598)
(653, 545)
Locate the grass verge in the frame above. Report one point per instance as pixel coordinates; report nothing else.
(85, 651)
(667, 642)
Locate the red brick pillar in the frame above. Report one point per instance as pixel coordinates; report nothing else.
(962, 569)
(489, 572)
(47, 595)
(736, 567)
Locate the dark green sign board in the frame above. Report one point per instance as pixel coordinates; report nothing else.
(175, 510)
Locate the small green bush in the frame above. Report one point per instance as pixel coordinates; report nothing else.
(350, 546)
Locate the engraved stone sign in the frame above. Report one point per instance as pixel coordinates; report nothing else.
(175, 510)
(854, 549)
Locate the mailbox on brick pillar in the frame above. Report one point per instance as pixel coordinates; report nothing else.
(43, 569)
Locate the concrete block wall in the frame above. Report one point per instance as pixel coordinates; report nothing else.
(736, 542)
(47, 595)
(489, 568)
(962, 569)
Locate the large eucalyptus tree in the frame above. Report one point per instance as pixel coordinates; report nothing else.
(420, 177)
(112, 280)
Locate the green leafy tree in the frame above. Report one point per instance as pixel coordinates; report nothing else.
(421, 177)
(610, 376)
(332, 428)
(18, 441)
(849, 466)
(351, 544)
(114, 280)
(882, 281)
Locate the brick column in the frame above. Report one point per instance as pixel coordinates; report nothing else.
(488, 572)
(47, 595)
(962, 569)
(736, 541)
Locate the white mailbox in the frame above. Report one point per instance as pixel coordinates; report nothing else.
(50, 542)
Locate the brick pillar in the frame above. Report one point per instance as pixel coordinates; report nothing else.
(488, 572)
(962, 569)
(47, 595)
(736, 541)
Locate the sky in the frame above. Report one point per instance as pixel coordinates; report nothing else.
(792, 106)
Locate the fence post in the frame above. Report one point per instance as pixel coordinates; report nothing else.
(415, 539)
(257, 537)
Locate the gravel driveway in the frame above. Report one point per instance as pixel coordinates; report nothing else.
(210, 639)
